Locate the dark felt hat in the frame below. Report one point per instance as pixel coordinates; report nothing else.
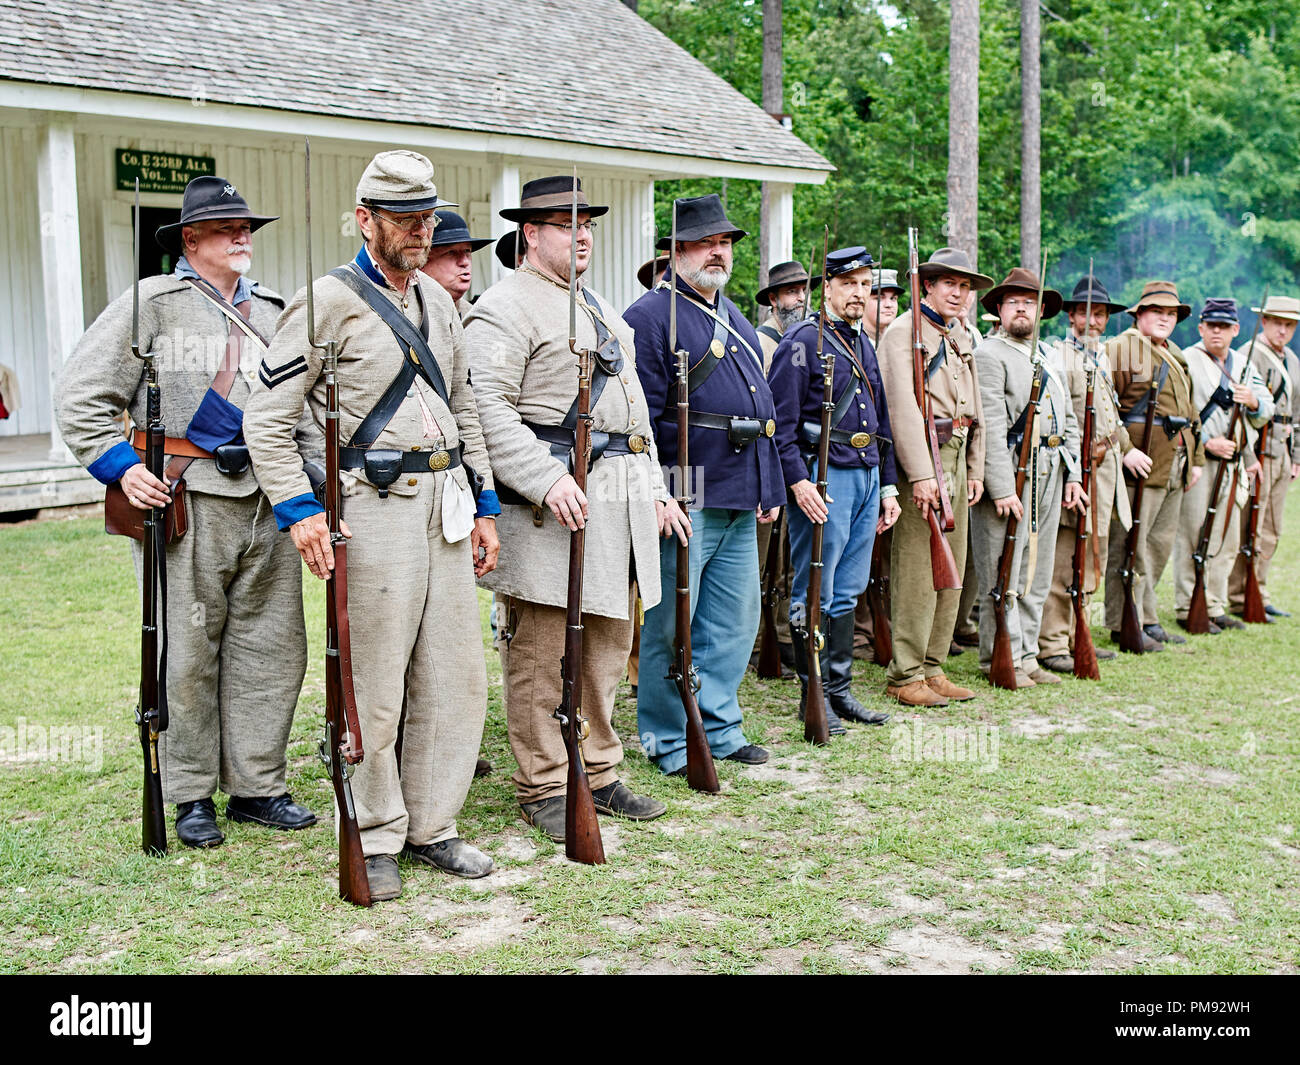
(782, 274)
(1086, 287)
(645, 273)
(699, 217)
(452, 229)
(1219, 310)
(206, 199)
(549, 194)
(1022, 280)
(510, 248)
(1160, 294)
(953, 262)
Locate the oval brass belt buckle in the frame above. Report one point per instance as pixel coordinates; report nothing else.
(636, 444)
(769, 428)
(439, 460)
(860, 439)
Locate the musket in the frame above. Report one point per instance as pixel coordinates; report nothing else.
(769, 650)
(1130, 629)
(1085, 653)
(1198, 613)
(943, 566)
(815, 727)
(582, 841)
(341, 748)
(151, 711)
(1253, 611)
(1002, 670)
(700, 772)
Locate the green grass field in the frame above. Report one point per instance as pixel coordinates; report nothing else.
(1145, 823)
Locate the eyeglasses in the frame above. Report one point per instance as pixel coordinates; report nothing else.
(590, 227)
(1027, 305)
(409, 223)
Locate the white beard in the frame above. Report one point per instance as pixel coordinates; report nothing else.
(707, 279)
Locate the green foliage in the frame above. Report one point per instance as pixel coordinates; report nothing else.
(1169, 133)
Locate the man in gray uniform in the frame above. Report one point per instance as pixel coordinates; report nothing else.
(526, 384)
(236, 647)
(1005, 367)
(418, 538)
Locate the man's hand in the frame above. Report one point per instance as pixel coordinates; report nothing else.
(1138, 463)
(889, 512)
(1221, 447)
(766, 517)
(1009, 505)
(311, 537)
(974, 490)
(1074, 498)
(568, 503)
(925, 494)
(1255, 469)
(809, 500)
(485, 546)
(1193, 477)
(672, 520)
(1243, 395)
(1295, 470)
(143, 490)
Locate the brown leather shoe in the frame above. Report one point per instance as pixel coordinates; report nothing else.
(1041, 676)
(948, 689)
(1023, 680)
(918, 693)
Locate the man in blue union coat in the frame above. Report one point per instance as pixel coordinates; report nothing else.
(734, 480)
(861, 496)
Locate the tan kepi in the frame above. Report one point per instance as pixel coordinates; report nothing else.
(401, 182)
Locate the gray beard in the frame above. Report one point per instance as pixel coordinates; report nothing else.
(706, 280)
(785, 319)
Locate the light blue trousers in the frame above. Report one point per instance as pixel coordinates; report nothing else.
(846, 543)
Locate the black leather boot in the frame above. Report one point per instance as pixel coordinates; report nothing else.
(800, 647)
(837, 673)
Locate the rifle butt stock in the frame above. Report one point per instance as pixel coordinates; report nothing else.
(943, 566)
(1198, 613)
(582, 842)
(1002, 670)
(1130, 629)
(816, 730)
(1253, 611)
(1085, 651)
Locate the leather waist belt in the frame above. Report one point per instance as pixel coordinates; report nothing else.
(1278, 419)
(810, 433)
(1054, 440)
(177, 446)
(602, 443)
(417, 460)
(739, 429)
(946, 428)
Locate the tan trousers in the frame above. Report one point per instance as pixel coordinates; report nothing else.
(1221, 554)
(1057, 634)
(533, 693)
(782, 579)
(1161, 507)
(417, 663)
(1272, 495)
(921, 619)
(236, 650)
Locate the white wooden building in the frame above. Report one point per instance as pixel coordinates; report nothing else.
(495, 92)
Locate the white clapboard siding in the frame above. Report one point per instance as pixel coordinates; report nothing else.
(22, 304)
(269, 175)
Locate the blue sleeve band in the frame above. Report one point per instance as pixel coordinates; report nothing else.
(488, 504)
(292, 511)
(114, 462)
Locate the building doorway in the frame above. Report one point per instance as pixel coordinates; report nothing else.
(153, 259)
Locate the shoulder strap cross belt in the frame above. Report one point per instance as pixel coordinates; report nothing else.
(608, 362)
(769, 332)
(1138, 412)
(702, 370)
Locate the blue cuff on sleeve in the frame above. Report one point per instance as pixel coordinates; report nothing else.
(292, 511)
(488, 504)
(114, 462)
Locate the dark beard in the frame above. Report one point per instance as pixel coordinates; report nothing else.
(1019, 330)
(785, 319)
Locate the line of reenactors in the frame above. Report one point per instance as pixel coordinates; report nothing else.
(466, 476)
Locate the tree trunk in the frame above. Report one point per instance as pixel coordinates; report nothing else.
(773, 104)
(963, 128)
(1031, 90)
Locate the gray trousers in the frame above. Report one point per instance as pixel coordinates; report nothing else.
(988, 535)
(1161, 509)
(236, 650)
(417, 664)
(1221, 553)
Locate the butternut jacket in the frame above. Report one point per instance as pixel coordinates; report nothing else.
(1133, 359)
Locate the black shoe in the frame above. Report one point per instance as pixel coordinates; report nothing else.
(1149, 646)
(278, 812)
(1274, 612)
(787, 661)
(547, 815)
(838, 673)
(1104, 654)
(750, 754)
(384, 877)
(680, 771)
(967, 639)
(196, 824)
(1214, 627)
(619, 799)
(1226, 622)
(454, 856)
(1158, 633)
(634, 689)
(482, 767)
(800, 648)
